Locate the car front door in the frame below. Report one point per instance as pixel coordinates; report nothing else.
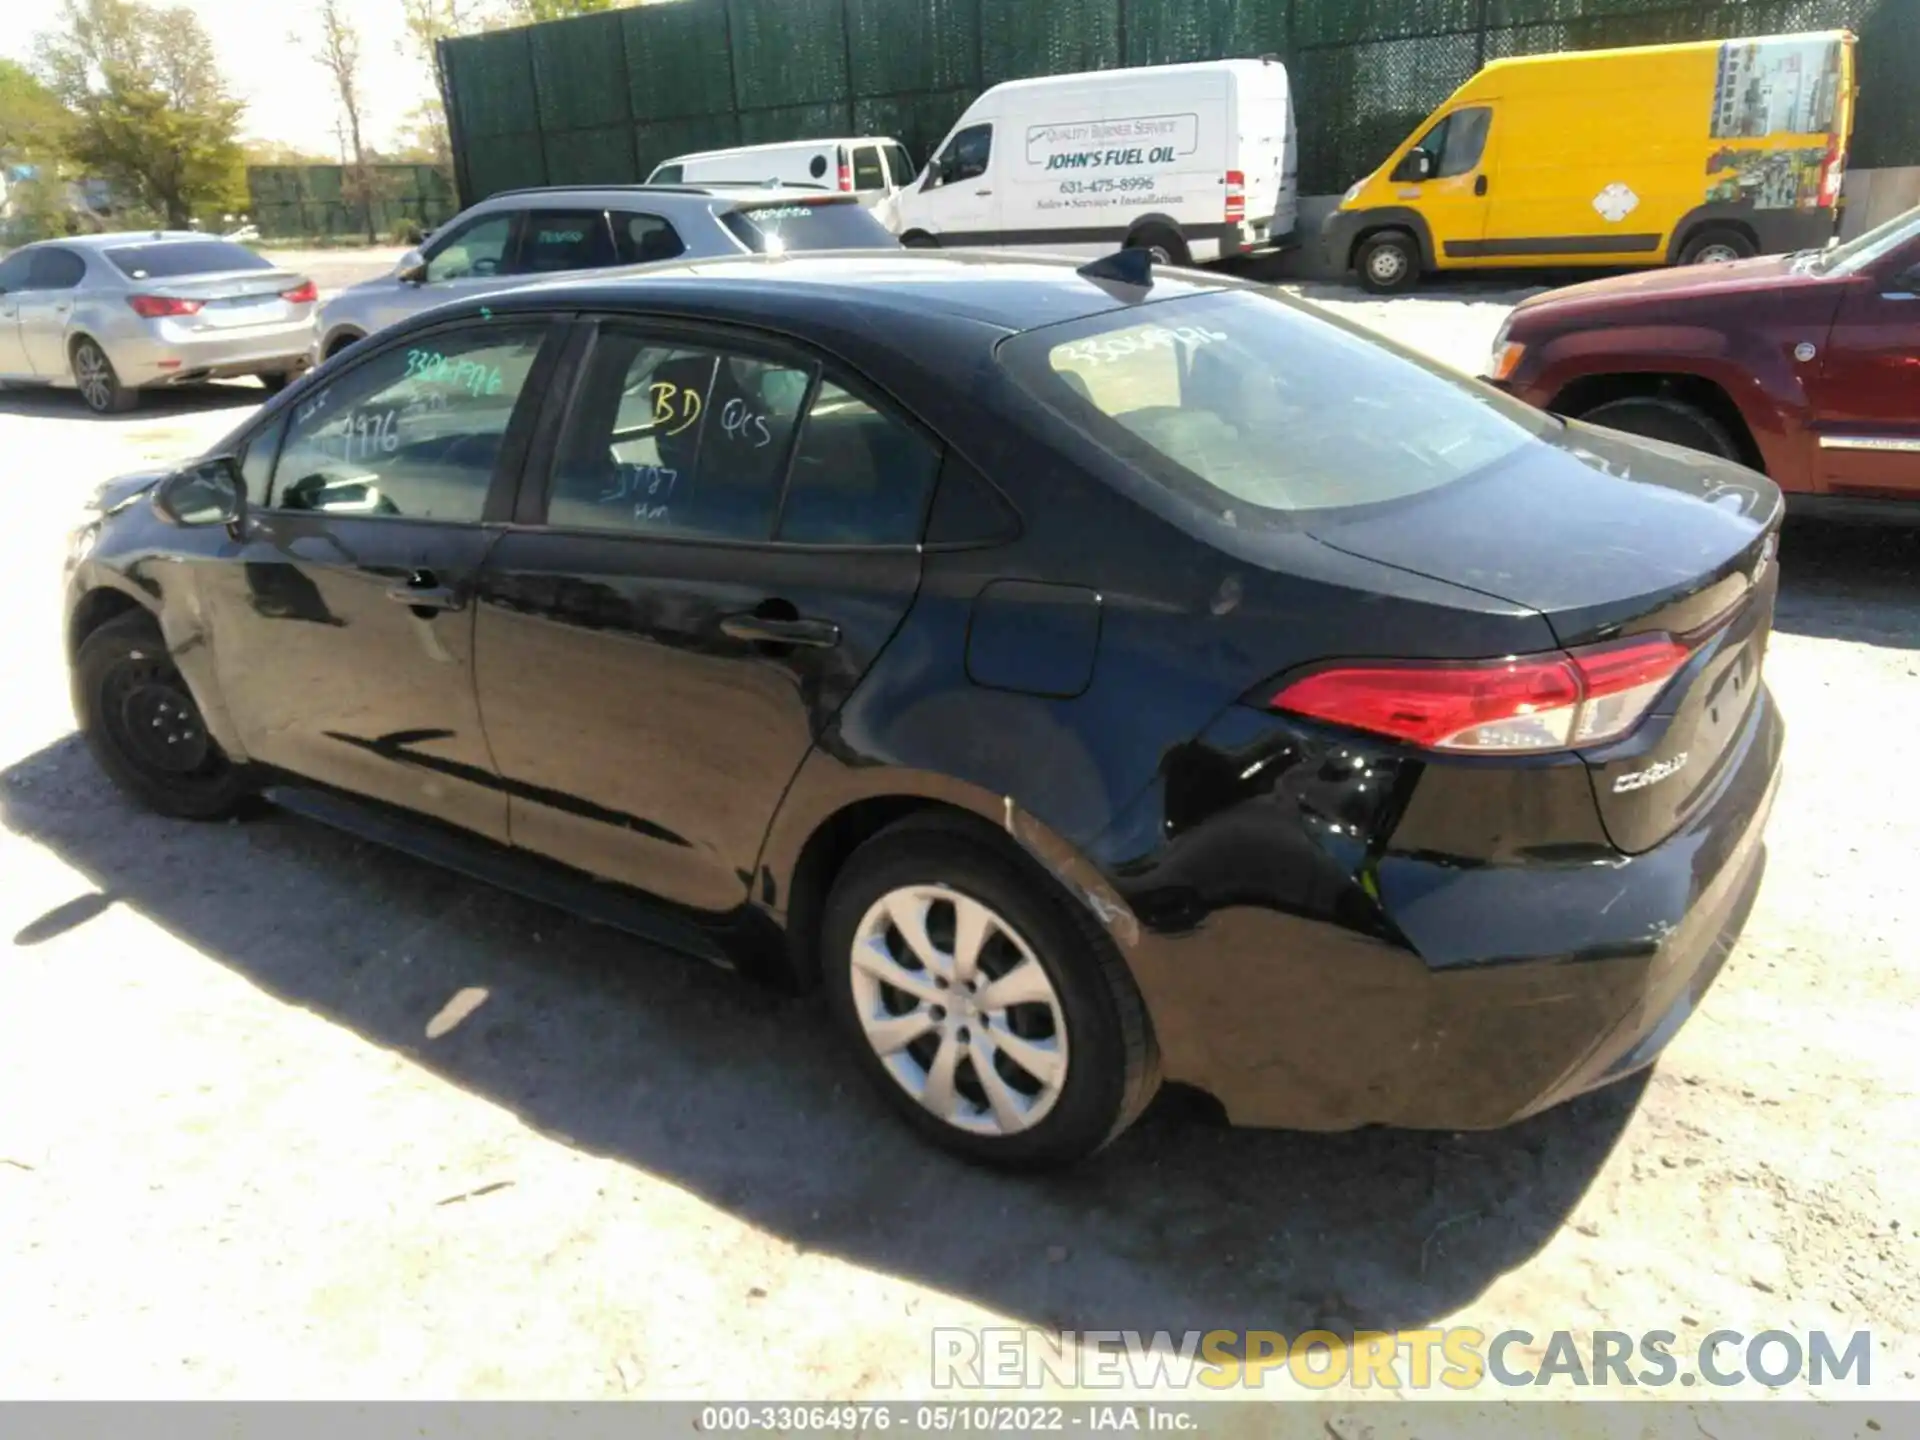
(14, 271)
(957, 202)
(471, 258)
(46, 309)
(723, 540)
(343, 618)
(1866, 399)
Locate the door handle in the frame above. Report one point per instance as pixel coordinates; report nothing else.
(767, 630)
(422, 591)
(983, 192)
(1480, 185)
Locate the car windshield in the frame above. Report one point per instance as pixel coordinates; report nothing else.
(170, 259)
(1257, 407)
(780, 229)
(1861, 251)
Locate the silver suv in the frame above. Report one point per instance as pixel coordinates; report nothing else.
(520, 234)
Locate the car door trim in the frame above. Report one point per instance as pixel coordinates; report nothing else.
(1886, 444)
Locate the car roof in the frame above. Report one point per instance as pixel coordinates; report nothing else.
(691, 192)
(1009, 292)
(128, 237)
(778, 145)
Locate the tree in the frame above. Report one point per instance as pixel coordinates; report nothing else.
(529, 12)
(336, 46)
(32, 124)
(428, 22)
(149, 112)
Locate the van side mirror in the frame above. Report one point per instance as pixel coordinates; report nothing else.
(208, 492)
(1416, 165)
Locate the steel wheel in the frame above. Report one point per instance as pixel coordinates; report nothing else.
(1386, 265)
(959, 1010)
(1717, 254)
(150, 715)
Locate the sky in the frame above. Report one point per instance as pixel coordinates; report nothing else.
(289, 98)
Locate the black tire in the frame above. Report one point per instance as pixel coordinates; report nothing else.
(97, 381)
(275, 381)
(1717, 244)
(1674, 421)
(919, 240)
(1166, 244)
(126, 688)
(341, 342)
(1113, 1065)
(1388, 263)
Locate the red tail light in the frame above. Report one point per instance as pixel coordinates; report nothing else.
(156, 307)
(846, 175)
(1236, 196)
(1525, 704)
(302, 294)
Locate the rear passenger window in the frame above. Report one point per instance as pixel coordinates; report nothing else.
(413, 433)
(867, 174)
(56, 270)
(643, 239)
(565, 240)
(860, 477)
(671, 440)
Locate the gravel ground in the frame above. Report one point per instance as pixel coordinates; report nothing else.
(285, 1115)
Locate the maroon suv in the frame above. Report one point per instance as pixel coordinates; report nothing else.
(1805, 366)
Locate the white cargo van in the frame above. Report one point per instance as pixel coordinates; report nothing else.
(871, 167)
(1192, 162)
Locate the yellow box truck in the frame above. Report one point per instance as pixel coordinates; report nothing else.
(1660, 155)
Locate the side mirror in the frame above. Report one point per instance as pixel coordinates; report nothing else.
(210, 492)
(1415, 165)
(412, 268)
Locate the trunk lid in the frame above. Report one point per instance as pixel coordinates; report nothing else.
(1607, 537)
(233, 300)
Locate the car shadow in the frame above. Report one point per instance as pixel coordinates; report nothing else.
(46, 402)
(1851, 581)
(744, 1098)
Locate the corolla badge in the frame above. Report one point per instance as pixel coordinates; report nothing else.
(1652, 775)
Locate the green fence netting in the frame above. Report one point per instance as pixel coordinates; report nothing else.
(295, 201)
(606, 97)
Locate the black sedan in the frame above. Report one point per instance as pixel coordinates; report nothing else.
(1088, 676)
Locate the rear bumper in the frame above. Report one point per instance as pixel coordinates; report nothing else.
(1509, 988)
(155, 361)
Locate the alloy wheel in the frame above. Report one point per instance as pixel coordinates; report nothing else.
(93, 375)
(959, 1009)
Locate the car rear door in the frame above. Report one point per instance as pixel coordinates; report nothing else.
(1866, 395)
(342, 619)
(713, 544)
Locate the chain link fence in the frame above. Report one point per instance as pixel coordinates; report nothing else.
(604, 98)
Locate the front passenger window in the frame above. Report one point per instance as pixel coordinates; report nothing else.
(477, 251)
(965, 157)
(413, 433)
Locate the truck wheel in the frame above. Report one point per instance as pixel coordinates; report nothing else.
(1674, 421)
(919, 240)
(1389, 263)
(1162, 242)
(1717, 245)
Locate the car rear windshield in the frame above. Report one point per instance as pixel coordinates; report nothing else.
(781, 229)
(170, 259)
(1256, 407)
